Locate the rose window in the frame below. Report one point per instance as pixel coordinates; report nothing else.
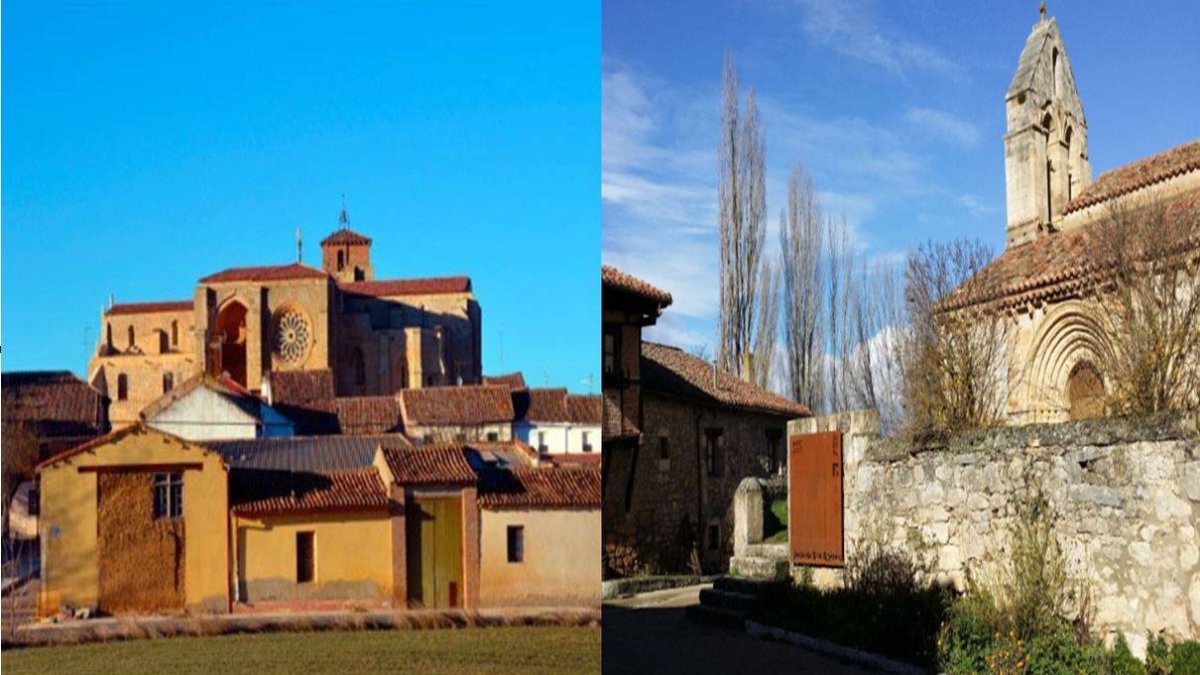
(291, 335)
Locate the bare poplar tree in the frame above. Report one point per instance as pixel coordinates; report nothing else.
(767, 330)
(801, 226)
(741, 216)
(1148, 292)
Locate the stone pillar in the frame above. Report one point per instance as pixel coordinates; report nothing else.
(747, 515)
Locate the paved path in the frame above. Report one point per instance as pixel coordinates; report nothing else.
(648, 633)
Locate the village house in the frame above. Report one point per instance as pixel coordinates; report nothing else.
(375, 337)
(208, 407)
(143, 521)
(691, 434)
(555, 422)
(467, 413)
(1046, 278)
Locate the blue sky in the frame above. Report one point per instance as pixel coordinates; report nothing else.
(148, 144)
(895, 108)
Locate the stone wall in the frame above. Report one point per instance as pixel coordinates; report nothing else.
(1125, 496)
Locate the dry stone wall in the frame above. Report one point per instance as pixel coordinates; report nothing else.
(1125, 498)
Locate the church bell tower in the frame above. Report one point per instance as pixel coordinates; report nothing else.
(1045, 148)
(346, 254)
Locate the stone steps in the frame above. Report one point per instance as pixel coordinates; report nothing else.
(757, 567)
(775, 551)
(731, 600)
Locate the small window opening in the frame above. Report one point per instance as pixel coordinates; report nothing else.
(168, 495)
(516, 543)
(122, 387)
(168, 382)
(305, 559)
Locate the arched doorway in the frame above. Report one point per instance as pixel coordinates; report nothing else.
(1085, 392)
(229, 343)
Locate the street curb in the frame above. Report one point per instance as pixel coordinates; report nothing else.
(765, 632)
(621, 588)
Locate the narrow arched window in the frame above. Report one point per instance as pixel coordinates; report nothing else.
(168, 381)
(132, 340)
(174, 333)
(341, 260)
(1056, 74)
(108, 336)
(122, 387)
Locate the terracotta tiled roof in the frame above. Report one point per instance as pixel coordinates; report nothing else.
(576, 487)
(430, 465)
(1047, 268)
(345, 236)
(305, 454)
(395, 287)
(116, 435)
(616, 279)
(584, 409)
(149, 307)
(465, 406)
(52, 403)
(573, 458)
(540, 405)
(297, 387)
(256, 492)
(368, 415)
(671, 370)
(512, 380)
(266, 273)
(1137, 175)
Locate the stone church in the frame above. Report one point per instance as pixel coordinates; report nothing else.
(376, 336)
(1044, 282)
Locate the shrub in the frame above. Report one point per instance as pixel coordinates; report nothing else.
(967, 636)
(1185, 658)
(1121, 661)
(1158, 655)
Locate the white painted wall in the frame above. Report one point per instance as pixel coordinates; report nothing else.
(559, 438)
(203, 414)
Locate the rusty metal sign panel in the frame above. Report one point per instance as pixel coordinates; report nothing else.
(815, 499)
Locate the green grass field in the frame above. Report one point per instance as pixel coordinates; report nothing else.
(779, 511)
(476, 650)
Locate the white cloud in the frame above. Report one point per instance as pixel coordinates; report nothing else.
(850, 28)
(973, 206)
(943, 126)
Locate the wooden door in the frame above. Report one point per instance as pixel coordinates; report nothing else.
(815, 527)
(435, 552)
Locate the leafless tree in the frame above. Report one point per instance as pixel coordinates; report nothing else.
(801, 265)
(955, 370)
(767, 330)
(1148, 257)
(741, 216)
(19, 454)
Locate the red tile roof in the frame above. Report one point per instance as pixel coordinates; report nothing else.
(671, 370)
(1047, 268)
(512, 380)
(345, 236)
(257, 492)
(359, 415)
(616, 279)
(444, 464)
(574, 487)
(149, 307)
(461, 406)
(385, 288)
(584, 409)
(266, 273)
(52, 404)
(541, 405)
(297, 387)
(1137, 175)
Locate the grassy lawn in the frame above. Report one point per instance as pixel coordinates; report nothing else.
(479, 650)
(776, 518)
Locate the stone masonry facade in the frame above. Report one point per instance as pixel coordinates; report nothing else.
(1125, 496)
